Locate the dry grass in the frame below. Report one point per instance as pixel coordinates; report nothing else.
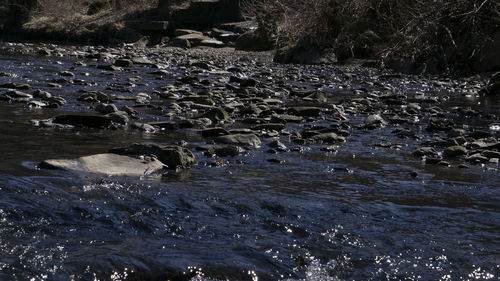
(83, 15)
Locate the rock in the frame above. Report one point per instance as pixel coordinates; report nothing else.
(453, 151)
(123, 63)
(15, 94)
(277, 145)
(221, 150)
(425, 151)
(94, 96)
(106, 108)
(305, 111)
(67, 74)
(304, 53)
(108, 164)
(477, 158)
(10, 85)
(217, 115)
(143, 61)
(240, 139)
(214, 132)
(491, 154)
(269, 126)
(144, 127)
(175, 157)
(91, 121)
(194, 40)
(327, 138)
(41, 94)
(120, 117)
(254, 40)
(182, 32)
(374, 121)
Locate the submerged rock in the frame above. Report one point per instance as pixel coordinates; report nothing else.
(107, 163)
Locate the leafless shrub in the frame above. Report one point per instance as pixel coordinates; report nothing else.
(451, 29)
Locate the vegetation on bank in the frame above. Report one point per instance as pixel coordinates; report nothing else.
(440, 34)
(73, 20)
(412, 35)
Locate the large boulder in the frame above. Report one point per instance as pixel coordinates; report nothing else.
(174, 157)
(108, 164)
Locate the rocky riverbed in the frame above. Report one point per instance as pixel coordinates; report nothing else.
(170, 115)
(236, 102)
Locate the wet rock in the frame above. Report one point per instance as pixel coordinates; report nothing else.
(221, 150)
(491, 154)
(41, 94)
(278, 145)
(130, 111)
(109, 67)
(94, 96)
(106, 108)
(36, 104)
(436, 125)
(316, 96)
(55, 102)
(144, 127)
(433, 160)
(120, 117)
(123, 63)
(175, 157)
(15, 94)
(240, 139)
(478, 134)
(108, 164)
(91, 121)
(11, 85)
(327, 138)
(276, 161)
(217, 115)
(425, 151)
(305, 111)
(453, 151)
(269, 127)
(477, 158)
(214, 132)
(374, 121)
(67, 74)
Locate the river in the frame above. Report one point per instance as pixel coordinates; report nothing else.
(363, 212)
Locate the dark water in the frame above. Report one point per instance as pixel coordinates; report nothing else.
(356, 214)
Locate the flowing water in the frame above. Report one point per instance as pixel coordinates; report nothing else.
(357, 214)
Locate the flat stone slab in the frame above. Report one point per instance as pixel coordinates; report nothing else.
(106, 163)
